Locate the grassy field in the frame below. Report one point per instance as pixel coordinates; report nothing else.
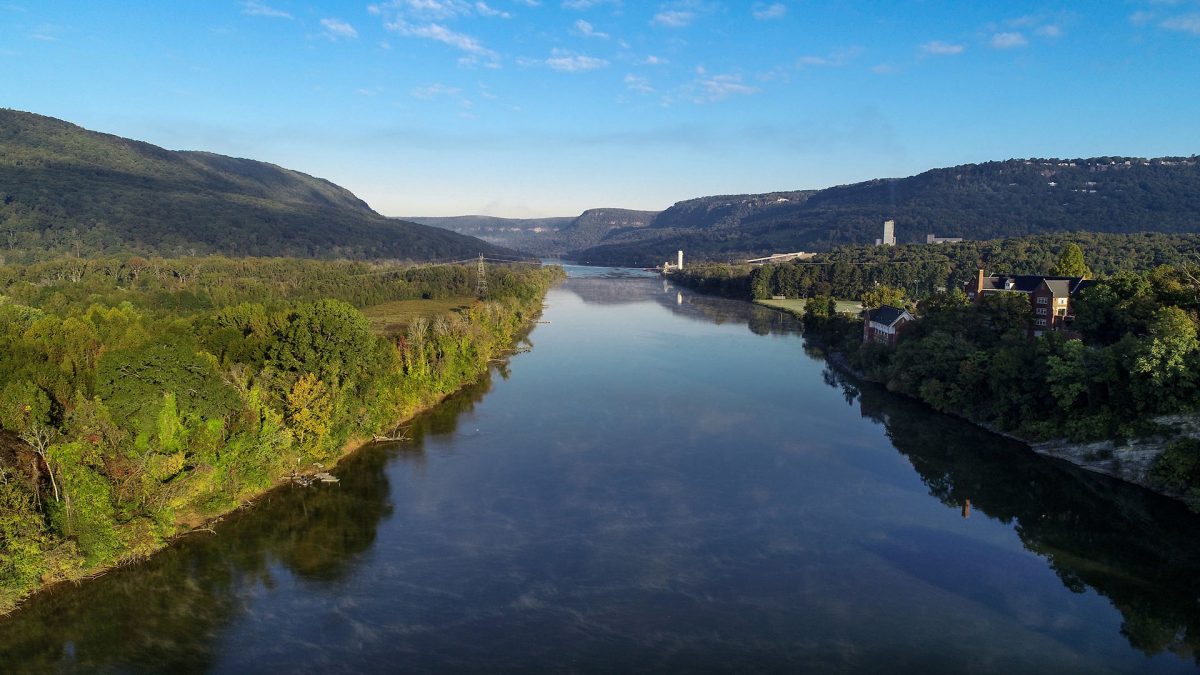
(797, 306)
(391, 318)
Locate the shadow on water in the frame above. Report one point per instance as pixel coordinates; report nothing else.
(1135, 548)
(167, 614)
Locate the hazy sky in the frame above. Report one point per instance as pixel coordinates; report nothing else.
(528, 107)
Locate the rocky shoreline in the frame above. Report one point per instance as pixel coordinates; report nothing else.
(1130, 461)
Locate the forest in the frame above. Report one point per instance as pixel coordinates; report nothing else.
(1132, 353)
(922, 269)
(1131, 357)
(140, 398)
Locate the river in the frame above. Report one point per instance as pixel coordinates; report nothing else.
(666, 482)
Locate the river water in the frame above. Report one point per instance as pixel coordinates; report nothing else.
(666, 482)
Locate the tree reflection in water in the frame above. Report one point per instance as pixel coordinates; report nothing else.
(1131, 546)
(167, 614)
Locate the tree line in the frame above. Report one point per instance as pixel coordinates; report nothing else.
(1134, 359)
(922, 269)
(140, 397)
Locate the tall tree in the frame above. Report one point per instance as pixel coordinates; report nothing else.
(881, 295)
(1070, 263)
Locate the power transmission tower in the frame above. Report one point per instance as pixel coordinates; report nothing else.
(481, 280)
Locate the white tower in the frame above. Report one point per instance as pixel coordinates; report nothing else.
(680, 264)
(889, 233)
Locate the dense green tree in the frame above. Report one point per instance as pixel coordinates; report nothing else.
(1165, 354)
(154, 394)
(1070, 263)
(328, 338)
(883, 294)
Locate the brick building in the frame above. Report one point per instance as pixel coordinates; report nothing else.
(885, 324)
(1050, 296)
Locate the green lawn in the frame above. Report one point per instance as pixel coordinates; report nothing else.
(797, 306)
(392, 318)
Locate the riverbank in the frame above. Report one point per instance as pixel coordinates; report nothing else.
(176, 403)
(1132, 460)
(246, 500)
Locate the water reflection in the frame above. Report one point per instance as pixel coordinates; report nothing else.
(185, 597)
(658, 488)
(1135, 548)
(598, 290)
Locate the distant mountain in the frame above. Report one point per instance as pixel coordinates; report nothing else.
(525, 234)
(546, 236)
(64, 188)
(974, 201)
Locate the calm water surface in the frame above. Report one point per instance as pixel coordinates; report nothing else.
(667, 482)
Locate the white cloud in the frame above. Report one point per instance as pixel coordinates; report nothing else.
(939, 48)
(638, 84)
(673, 18)
(653, 60)
(426, 9)
(428, 19)
(838, 57)
(1050, 30)
(1008, 40)
(336, 28)
(444, 35)
(435, 90)
(765, 12)
(438, 10)
(569, 62)
(439, 33)
(252, 8)
(720, 87)
(485, 10)
(588, 30)
(581, 5)
(1188, 23)
(884, 69)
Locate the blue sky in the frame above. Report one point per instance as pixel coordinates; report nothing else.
(547, 107)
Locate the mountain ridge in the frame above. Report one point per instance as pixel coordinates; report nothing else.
(975, 201)
(64, 188)
(553, 236)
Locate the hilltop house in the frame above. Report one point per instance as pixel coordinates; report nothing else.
(884, 325)
(1050, 296)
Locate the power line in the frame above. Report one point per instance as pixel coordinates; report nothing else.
(448, 263)
(481, 279)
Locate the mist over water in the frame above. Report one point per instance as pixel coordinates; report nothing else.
(666, 482)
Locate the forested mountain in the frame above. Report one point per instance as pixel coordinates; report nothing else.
(66, 189)
(975, 201)
(547, 236)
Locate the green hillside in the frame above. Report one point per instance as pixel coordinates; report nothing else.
(66, 189)
(973, 201)
(549, 237)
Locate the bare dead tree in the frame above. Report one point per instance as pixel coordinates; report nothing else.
(40, 437)
(76, 271)
(1189, 269)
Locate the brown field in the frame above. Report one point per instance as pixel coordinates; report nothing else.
(391, 318)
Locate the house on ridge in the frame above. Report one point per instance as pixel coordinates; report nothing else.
(884, 325)
(1050, 296)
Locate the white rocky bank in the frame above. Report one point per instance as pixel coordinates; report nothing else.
(1130, 461)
